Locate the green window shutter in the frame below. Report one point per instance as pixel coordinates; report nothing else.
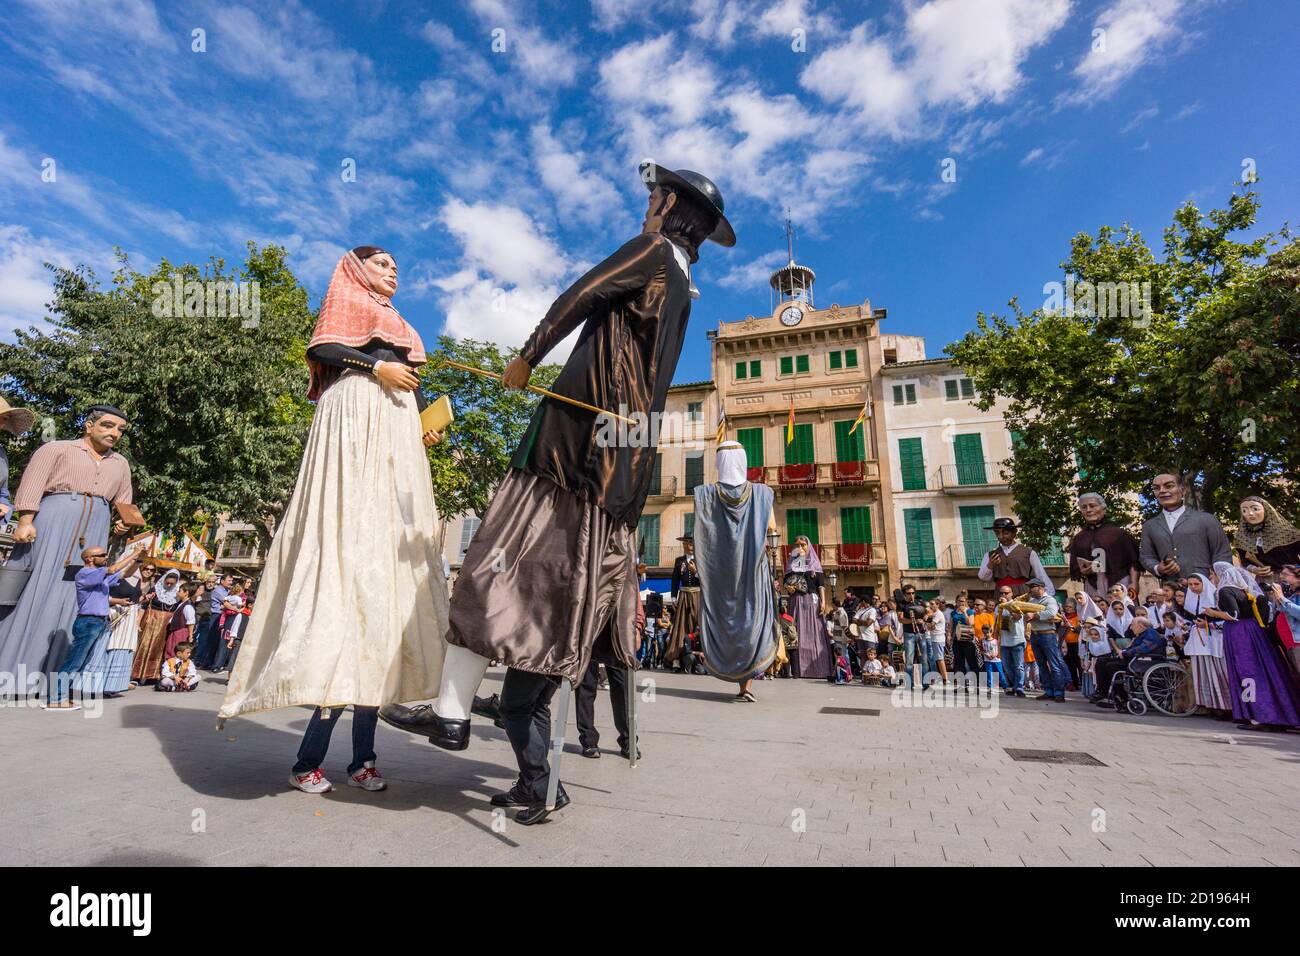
(967, 388)
(800, 451)
(656, 477)
(911, 394)
(836, 361)
(918, 528)
(898, 395)
(849, 447)
(950, 389)
(689, 522)
(755, 369)
(855, 525)
(752, 440)
(801, 521)
(911, 463)
(801, 363)
(694, 471)
(976, 541)
(740, 370)
(969, 451)
(787, 365)
(1017, 439)
(647, 529)
(851, 358)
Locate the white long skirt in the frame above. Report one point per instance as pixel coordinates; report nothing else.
(352, 604)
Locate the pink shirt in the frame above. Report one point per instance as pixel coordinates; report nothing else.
(72, 466)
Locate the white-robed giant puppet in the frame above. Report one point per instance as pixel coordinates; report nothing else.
(737, 611)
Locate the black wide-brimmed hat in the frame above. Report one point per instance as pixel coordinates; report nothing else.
(1000, 524)
(699, 187)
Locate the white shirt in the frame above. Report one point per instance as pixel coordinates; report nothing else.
(1171, 517)
(684, 261)
(187, 614)
(1035, 564)
(938, 629)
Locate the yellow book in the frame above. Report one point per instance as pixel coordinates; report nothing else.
(437, 416)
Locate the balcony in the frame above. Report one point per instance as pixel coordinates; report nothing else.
(844, 557)
(968, 557)
(971, 477)
(796, 476)
(663, 489)
(825, 474)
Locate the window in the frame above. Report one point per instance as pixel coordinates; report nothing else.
(801, 363)
(755, 369)
(849, 447)
(911, 464)
(918, 528)
(740, 370)
(855, 525)
(239, 544)
(905, 394)
(801, 521)
(657, 476)
(688, 521)
(694, 470)
(958, 388)
(787, 365)
(695, 411)
(800, 451)
(647, 532)
(850, 358)
(969, 452)
(837, 361)
(467, 529)
(752, 440)
(890, 356)
(975, 538)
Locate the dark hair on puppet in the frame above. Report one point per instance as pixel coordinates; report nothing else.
(365, 252)
(688, 223)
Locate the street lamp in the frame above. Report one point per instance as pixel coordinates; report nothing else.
(832, 577)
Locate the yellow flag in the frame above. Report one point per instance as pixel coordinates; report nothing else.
(722, 428)
(789, 425)
(858, 421)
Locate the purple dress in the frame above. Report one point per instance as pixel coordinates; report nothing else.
(1257, 672)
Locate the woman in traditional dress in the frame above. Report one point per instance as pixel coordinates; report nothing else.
(153, 629)
(181, 626)
(1265, 541)
(1204, 648)
(808, 607)
(352, 605)
(124, 635)
(1261, 687)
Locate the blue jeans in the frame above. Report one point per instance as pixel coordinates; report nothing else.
(934, 655)
(913, 653)
(1013, 667)
(316, 741)
(991, 668)
(86, 630)
(1051, 664)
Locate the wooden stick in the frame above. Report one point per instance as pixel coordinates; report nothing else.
(540, 391)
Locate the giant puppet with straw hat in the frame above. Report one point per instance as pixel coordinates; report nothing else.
(15, 421)
(553, 565)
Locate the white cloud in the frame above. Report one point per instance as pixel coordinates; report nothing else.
(580, 192)
(753, 274)
(1140, 117)
(659, 72)
(26, 285)
(1032, 156)
(1135, 33)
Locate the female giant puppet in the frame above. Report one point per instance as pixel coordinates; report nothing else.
(352, 604)
(554, 562)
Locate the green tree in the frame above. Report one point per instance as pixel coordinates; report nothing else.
(1204, 381)
(490, 421)
(217, 401)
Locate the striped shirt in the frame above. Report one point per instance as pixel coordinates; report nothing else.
(72, 466)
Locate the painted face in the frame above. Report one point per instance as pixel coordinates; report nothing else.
(1252, 512)
(1092, 510)
(381, 273)
(106, 431)
(1168, 490)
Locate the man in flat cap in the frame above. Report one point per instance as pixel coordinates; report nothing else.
(553, 565)
(64, 505)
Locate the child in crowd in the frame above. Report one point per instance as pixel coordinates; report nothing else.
(179, 672)
(888, 676)
(843, 670)
(1175, 633)
(872, 669)
(992, 655)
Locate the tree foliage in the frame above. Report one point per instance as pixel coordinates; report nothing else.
(217, 404)
(490, 421)
(1204, 382)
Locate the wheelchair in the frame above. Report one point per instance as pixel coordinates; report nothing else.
(1151, 682)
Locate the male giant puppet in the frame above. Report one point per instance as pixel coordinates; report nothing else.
(553, 565)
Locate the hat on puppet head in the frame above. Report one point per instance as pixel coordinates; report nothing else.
(697, 186)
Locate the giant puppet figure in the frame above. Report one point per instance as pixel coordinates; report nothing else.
(737, 610)
(553, 565)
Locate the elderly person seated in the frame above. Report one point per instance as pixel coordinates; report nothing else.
(1148, 642)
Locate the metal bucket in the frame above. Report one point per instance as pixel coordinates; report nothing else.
(12, 582)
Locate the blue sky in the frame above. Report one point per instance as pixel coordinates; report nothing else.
(498, 175)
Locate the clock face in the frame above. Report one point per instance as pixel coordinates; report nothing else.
(793, 315)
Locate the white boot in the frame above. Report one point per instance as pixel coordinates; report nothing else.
(462, 672)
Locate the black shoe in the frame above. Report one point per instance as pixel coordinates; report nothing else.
(516, 796)
(446, 732)
(592, 752)
(1019, 693)
(626, 754)
(536, 812)
(489, 707)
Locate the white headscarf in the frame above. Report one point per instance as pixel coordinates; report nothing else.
(1121, 622)
(733, 466)
(1194, 603)
(1231, 576)
(168, 595)
(1088, 611)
